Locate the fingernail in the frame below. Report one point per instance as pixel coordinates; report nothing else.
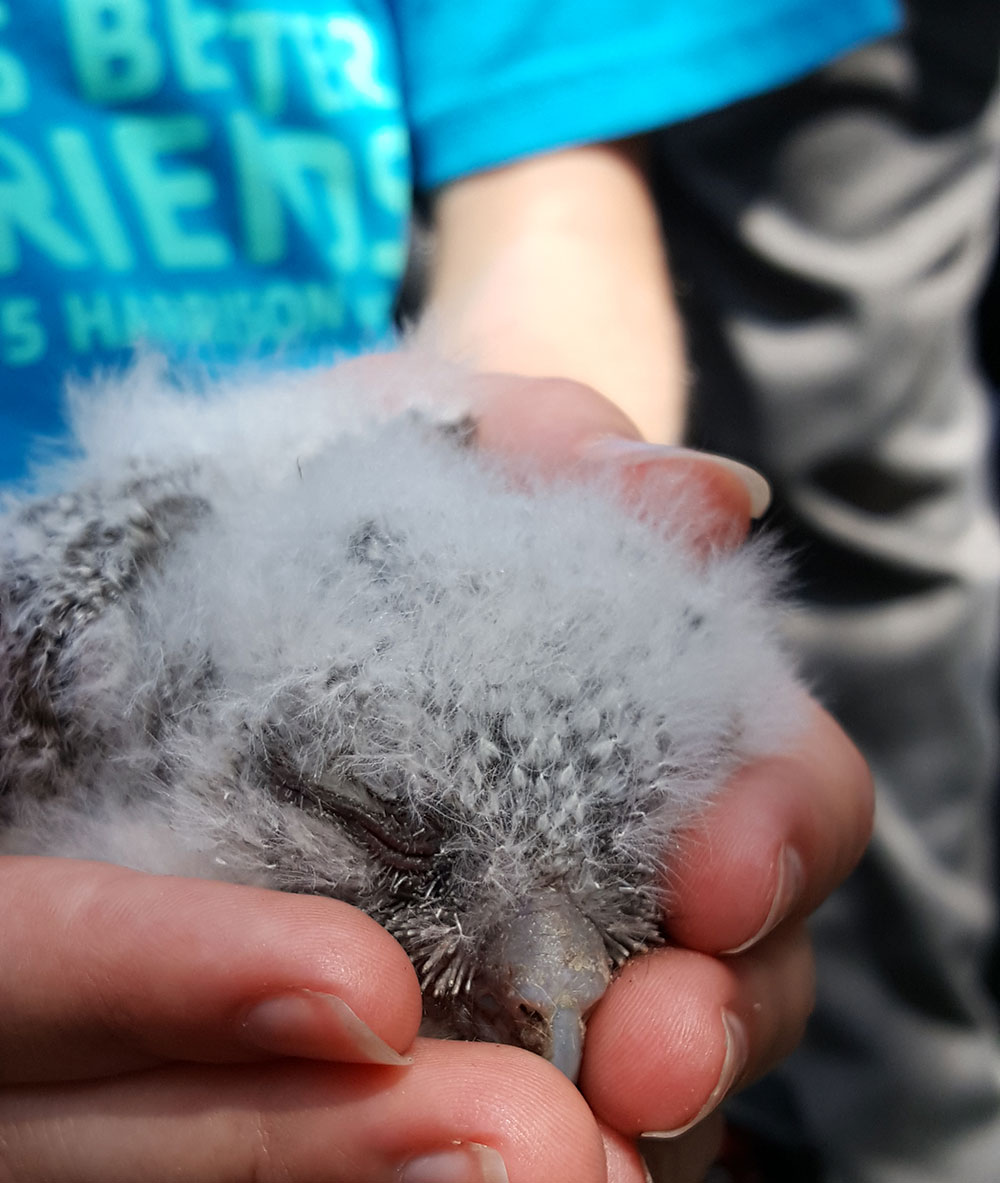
(464, 1162)
(791, 880)
(617, 448)
(316, 1026)
(737, 1050)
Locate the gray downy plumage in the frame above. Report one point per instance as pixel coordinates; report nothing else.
(283, 635)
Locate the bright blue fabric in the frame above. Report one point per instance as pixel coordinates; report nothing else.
(219, 180)
(517, 78)
(230, 179)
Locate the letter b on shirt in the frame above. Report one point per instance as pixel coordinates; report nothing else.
(115, 55)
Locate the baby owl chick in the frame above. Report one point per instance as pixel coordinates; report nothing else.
(278, 636)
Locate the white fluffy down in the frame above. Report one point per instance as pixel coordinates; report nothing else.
(327, 594)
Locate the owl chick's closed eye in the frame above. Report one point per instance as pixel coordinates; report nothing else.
(271, 637)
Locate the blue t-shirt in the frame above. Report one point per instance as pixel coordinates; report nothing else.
(230, 179)
(526, 75)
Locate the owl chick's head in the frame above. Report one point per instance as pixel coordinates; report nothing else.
(512, 873)
(508, 744)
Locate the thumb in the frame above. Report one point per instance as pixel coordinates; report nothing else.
(560, 427)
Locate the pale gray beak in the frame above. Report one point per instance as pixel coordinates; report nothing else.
(551, 970)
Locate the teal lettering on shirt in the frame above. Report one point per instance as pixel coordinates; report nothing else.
(261, 32)
(195, 33)
(92, 322)
(113, 50)
(22, 337)
(166, 190)
(318, 178)
(13, 76)
(388, 156)
(360, 61)
(92, 198)
(304, 175)
(27, 212)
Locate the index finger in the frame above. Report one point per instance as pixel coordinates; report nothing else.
(107, 970)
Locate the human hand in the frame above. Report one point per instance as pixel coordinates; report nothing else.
(142, 1036)
(686, 1024)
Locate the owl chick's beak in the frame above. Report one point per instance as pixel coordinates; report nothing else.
(552, 969)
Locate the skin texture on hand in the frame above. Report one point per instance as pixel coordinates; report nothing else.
(159, 1028)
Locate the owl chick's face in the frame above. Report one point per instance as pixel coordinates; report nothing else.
(516, 913)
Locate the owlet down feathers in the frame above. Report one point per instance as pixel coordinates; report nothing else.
(276, 636)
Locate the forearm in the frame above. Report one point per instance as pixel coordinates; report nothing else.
(554, 266)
